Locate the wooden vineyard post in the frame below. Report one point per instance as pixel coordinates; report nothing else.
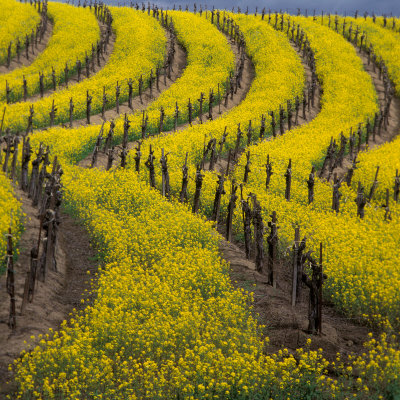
(150, 165)
(29, 127)
(388, 215)
(237, 145)
(295, 257)
(201, 101)
(110, 158)
(360, 200)
(10, 280)
(281, 119)
(211, 99)
(145, 119)
(396, 192)
(288, 176)
(190, 111)
(71, 112)
(15, 157)
(49, 226)
(374, 185)
(161, 122)
(231, 209)
(138, 157)
(337, 183)
(272, 240)
(41, 84)
(88, 106)
(262, 127)
(247, 168)
(130, 93)
(246, 215)
(228, 163)
(199, 183)
(310, 184)
(249, 133)
(140, 84)
(165, 175)
(258, 236)
(26, 157)
(321, 279)
(52, 113)
(2, 121)
(217, 200)
(185, 179)
(268, 170)
(97, 147)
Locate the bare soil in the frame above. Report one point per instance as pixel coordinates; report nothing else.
(55, 298)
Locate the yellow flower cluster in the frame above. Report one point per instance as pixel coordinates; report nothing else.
(387, 157)
(139, 47)
(75, 30)
(379, 367)
(385, 44)
(16, 21)
(10, 216)
(389, 23)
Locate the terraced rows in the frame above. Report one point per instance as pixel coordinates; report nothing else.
(16, 21)
(74, 33)
(166, 321)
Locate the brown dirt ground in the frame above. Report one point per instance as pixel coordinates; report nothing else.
(56, 297)
(23, 61)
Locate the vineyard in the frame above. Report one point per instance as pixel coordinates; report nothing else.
(198, 204)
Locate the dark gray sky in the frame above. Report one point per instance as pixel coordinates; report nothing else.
(341, 6)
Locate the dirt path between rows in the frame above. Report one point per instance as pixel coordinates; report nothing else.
(55, 298)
